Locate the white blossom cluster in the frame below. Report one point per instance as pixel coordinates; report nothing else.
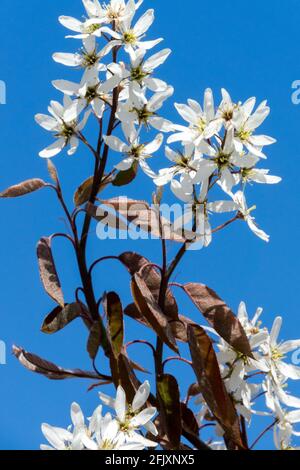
(104, 431)
(263, 379)
(218, 146)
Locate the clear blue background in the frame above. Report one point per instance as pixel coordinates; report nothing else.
(250, 48)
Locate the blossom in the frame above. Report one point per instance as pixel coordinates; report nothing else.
(62, 439)
(245, 212)
(203, 123)
(141, 70)
(87, 58)
(185, 163)
(132, 36)
(139, 110)
(135, 152)
(284, 427)
(90, 91)
(108, 437)
(133, 416)
(226, 108)
(245, 123)
(275, 353)
(114, 11)
(84, 29)
(253, 326)
(65, 131)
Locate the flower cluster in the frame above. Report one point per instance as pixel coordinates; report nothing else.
(265, 375)
(104, 431)
(218, 146)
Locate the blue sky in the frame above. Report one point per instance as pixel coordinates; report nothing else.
(248, 48)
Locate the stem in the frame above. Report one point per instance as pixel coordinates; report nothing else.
(229, 222)
(140, 341)
(175, 358)
(104, 258)
(263, 433)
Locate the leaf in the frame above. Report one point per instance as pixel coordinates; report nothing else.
(189, 421)
(125, 177)
(135, 263)
(48, 271)
(127, 377)
(146, 218)
(207, 371)
(149, 308)
(114, 312)
(94, 340)
(219, 315)
(83, 193)
(138, 367)
(60, 317)
(111, 219)
(36, 364)
(178, 327)
(26, 187)
(52, 171)
(171, 410)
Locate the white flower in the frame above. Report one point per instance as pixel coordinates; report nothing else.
(62, 439)
(88, 57)
(246, 123)
(132, 36)
(141, 70)
(284, 428)
(185, 163)
(257, 175)
(90, 91)
(226, 109)
(134, 150)
(108, 437)
(275, 353)
(114, 11)
(202, 122)
(141, 111)
(245, 212)
(84, 29)
(252, 327)
(131, 417)
(197, 212)
(65, 131)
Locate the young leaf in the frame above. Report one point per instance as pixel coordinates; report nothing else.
(207, 371)
(83, 193)
(171, 410)
(52, 171)
(219, 315)
(36, 364)
(60, 317)
(114, 312)
(149, 308)
(135, 263)
(94, 340)
(189, 421)
(48, 271)
(125, 177)
(26, 187)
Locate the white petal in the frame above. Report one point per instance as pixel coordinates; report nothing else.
(153, 146)
(53, 149)
(47, 122)
(141, 396)
(144, 23)
(275, 330)
(71, 60)
(116, 144)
